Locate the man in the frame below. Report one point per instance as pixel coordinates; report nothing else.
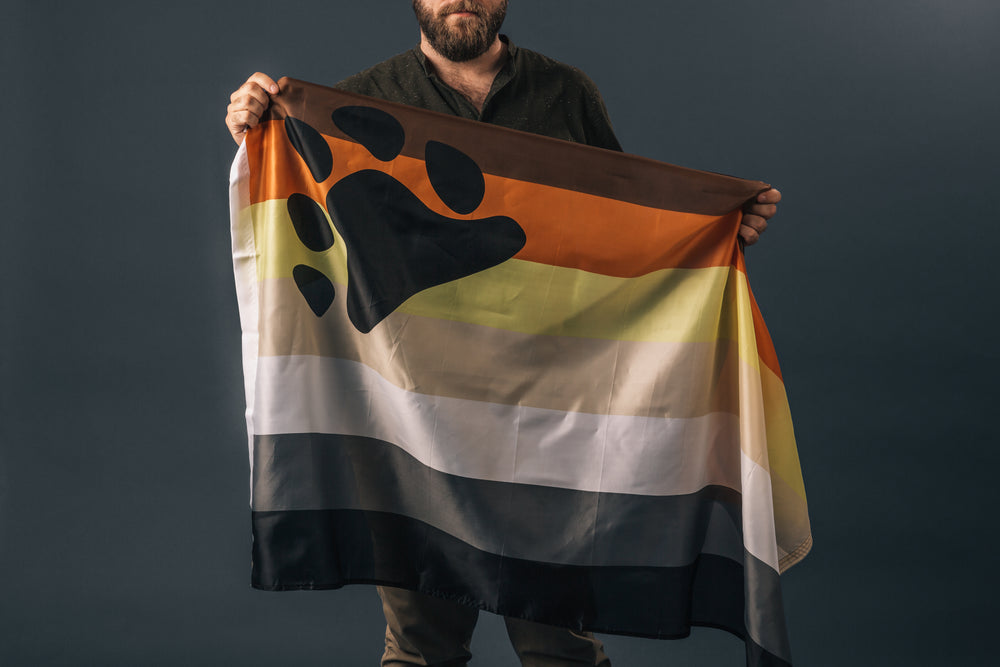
(462, 66)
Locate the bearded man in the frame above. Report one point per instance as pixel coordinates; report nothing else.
(464, 67)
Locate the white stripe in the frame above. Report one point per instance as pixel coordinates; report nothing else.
(517, 444)
(247, 287)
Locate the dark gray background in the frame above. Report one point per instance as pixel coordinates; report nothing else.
(124, 529)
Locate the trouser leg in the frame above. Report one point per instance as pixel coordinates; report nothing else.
(423, 630)
(539, 645)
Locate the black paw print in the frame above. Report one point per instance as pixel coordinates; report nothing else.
(396, 245)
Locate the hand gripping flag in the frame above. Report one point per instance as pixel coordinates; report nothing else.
(514, 372)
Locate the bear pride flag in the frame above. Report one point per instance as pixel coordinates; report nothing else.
(515, 372)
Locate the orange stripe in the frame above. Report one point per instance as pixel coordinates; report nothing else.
(563, 227)
(765, 347)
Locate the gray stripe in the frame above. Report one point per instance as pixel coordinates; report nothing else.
(539, 523)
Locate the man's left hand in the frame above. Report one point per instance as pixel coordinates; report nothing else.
(756, 215)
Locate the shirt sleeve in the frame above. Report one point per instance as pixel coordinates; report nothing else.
(603, 134)
(598, 124)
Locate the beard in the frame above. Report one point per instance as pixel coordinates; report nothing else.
(470, 38)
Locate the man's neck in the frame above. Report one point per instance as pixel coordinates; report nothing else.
(472, 78)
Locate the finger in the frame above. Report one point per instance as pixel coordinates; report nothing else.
(765, 211)
(251, 104)
(264, 81)
(749, 235)
(259, 87)
(244, 112)
(250, 91)
(754, 222)
(239, 122)
(242, 119)
(772, 196)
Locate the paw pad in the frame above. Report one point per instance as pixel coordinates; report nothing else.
(315, 287)
(456, 179)
(310, 223)
(373, 128)
(311, 147)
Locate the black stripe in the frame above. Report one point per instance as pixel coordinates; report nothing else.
(322, 549)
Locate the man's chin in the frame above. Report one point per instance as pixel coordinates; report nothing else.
(462, 43)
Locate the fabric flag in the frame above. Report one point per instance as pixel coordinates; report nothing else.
(519, 373)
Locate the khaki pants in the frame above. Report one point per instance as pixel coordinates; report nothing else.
(422, 630)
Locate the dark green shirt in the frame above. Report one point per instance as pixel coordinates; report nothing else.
(531, 92)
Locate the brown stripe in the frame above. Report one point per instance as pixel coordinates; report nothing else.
(460, 360)
(529, 157)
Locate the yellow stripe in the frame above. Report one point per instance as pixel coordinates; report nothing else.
(782, 454)
(670, 305)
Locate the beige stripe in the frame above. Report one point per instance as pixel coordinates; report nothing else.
(462, 360)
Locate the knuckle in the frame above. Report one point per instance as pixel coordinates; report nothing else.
(240, 119)
(247, 101)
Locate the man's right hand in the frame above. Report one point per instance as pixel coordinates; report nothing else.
(248, 104)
